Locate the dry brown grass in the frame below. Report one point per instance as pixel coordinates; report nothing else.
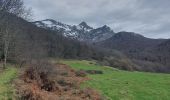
(60, 82)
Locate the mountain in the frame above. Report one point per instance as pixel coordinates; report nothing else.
(56, 26)
(135, 51)
(162, 51)
(101, 33)
(81, 32)
(149, 54)
(29, 41)
(84, 26)
(129, 42)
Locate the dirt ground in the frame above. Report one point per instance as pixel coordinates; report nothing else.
(62, 84)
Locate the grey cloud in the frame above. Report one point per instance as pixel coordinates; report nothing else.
(147, 17)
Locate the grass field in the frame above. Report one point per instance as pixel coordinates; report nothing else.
(6, 89)
(123, 85)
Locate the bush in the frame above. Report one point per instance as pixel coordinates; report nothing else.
(81, 73)
(41, 72)
(94, 72)
(62, 82)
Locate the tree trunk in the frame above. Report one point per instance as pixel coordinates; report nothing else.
(4, 64)
(6, 45)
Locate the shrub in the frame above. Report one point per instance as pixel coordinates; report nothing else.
(62, 82)
(81, 73)
(94, 72)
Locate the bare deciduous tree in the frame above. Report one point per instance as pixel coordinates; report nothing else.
(12, 6)
(15, 7)
(7, 7)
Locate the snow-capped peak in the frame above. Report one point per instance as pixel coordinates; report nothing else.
(83, 26)
(106, 27)
(49, 21)
(82, 32)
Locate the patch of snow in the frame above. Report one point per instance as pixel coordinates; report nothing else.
(38, 24)
(47, 22)
(79, 27)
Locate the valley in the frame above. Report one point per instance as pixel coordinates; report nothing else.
(84, 50)
(137, 51)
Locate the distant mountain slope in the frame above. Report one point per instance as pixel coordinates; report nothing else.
(162, 51)
(81, 32)
(129, 42)
(148, 54)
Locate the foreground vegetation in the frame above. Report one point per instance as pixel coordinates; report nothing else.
(6, 89)
(124, 85)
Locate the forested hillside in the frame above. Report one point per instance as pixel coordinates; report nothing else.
(149, 54)
(135, 51)
(26, 41)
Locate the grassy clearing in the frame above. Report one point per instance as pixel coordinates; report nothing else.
(6, 89)
(124, 85)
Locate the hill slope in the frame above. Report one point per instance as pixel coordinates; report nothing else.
(119, 85)
(141, 50)
(6, 89)
(29, 41)
(129, 42)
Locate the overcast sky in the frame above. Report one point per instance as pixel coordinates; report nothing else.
(150, 18)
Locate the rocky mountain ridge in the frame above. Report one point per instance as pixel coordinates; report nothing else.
(81, 32)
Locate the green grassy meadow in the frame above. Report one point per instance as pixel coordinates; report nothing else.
(123, 85)
(6, 89)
